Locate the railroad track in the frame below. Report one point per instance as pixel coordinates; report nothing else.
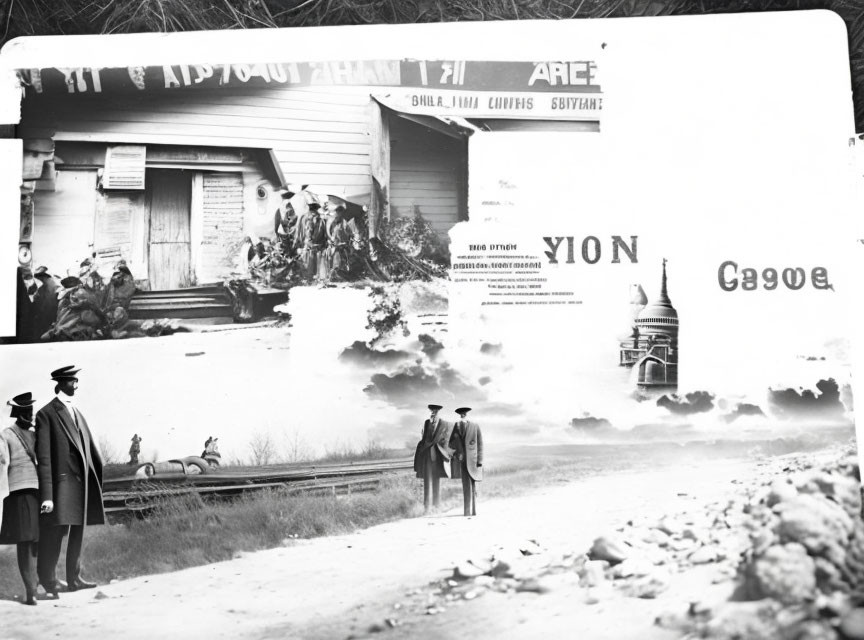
(132, 495)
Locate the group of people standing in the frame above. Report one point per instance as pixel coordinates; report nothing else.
(76, 307)
(324, 240)
(449, 450)
(51, 486)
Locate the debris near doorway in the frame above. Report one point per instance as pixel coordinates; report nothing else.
(252, 300)
(91, 309)
(409, 249)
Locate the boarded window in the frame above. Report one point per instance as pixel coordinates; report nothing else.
(121, 230)
(124, 167)
(222, 224)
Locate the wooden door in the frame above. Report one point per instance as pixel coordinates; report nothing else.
(169, 193)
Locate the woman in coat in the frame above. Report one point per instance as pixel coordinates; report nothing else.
(20, 524)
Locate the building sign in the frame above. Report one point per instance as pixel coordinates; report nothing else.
(575, 76)
(494, 104)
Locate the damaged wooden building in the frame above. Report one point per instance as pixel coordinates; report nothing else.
(171, 167)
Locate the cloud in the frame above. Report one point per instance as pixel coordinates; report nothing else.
(804, 403)
(743, 409)
(361, 354)
(429, 345)
(590, 423)
(693, 402)
(490, 349)
(418, 385)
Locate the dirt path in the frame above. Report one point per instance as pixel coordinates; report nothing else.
(340, 586)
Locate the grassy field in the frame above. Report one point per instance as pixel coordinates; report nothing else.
(186, 532)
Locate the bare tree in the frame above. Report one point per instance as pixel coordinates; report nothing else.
(108, 451)
(296, 447)
(263, 448)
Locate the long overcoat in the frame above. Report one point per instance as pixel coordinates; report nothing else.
(70, 467)
(467, 441)
(440, 439)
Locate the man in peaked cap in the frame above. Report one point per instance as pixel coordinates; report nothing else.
(432, 457)
(338, 239)
(70, 482)
(121, 287)
(467, 441)
(285, 221)
(44, 302)
(311, 240)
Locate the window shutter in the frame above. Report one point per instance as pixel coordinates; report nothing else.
(124, 167)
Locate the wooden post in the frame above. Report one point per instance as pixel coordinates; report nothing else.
(379, 131)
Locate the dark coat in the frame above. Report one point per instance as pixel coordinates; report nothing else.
(69, 474)
(439, 439)
(45, 305)
(467, 441)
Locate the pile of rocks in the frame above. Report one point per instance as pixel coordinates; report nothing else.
(801, 574)
(790, 550)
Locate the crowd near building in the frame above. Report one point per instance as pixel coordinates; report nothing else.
(182, 170)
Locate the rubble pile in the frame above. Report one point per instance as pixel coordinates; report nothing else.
(801, 574)
(786, 556)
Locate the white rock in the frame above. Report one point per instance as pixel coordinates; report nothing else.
(656, 536)
(631, 568)
(484, 581)
(649, 586)
(703, 555)
(670, 526)
(611, 548)
(594, 573)
(466, 571)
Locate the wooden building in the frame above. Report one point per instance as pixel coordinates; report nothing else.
(171, 167)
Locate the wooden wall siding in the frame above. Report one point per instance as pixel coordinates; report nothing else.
(319, 134)
(63, 222)
(222, 222)
(425, 174)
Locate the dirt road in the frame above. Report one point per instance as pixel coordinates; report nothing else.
(341, 586)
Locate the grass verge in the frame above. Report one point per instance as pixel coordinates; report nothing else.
(186, 531)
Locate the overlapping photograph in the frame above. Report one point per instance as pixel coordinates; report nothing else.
(349, 345)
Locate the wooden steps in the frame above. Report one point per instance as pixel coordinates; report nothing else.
(208, 303)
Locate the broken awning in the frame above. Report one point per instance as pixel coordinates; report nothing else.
(499, 105)
(453, 126)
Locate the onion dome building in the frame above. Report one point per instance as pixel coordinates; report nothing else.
(653, 349)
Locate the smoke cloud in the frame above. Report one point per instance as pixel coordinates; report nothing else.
(694, 402)
(804, 403)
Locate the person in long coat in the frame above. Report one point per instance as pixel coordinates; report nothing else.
(311, 242)
(432, 457)
(338, 241)
(70, 482)
(285, 222)
(24, 309)
(44, 302)
(467, 442)
(121, 287)
(20, 521)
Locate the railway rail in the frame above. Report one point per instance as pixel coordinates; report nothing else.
(138, 496)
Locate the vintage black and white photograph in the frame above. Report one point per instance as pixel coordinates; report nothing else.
(510, 329)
